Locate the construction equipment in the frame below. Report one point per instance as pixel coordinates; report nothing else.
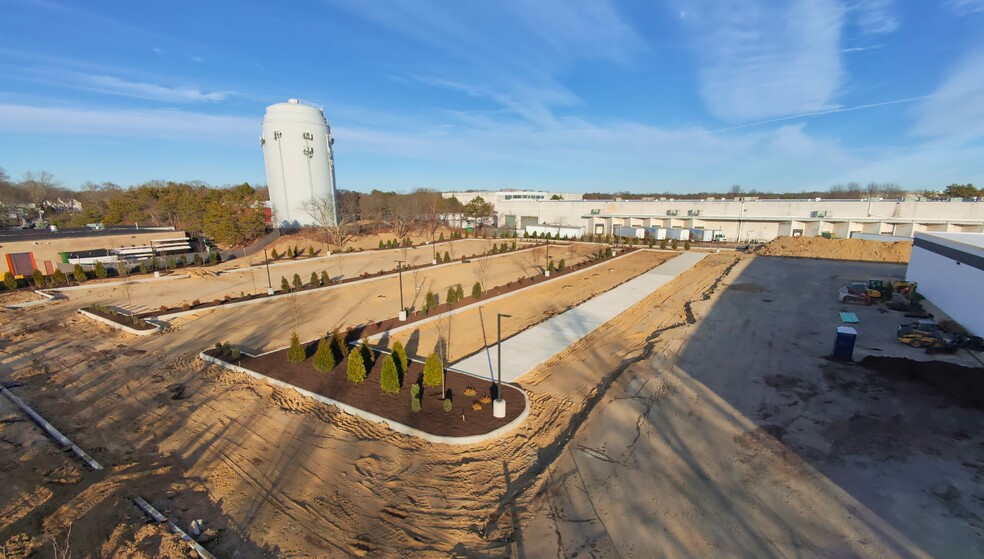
(883, 288)
(854, 293)
(925, 333)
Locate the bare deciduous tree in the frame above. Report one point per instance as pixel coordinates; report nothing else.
(483, 269)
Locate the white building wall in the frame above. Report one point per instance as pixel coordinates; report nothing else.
(954, 288)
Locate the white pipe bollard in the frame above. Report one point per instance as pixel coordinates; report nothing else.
(499, 408)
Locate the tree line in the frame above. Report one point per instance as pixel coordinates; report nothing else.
(851, 190)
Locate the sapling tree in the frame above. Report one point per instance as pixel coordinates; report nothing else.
(477, 290)
(356, 367)
(400, 356)
(433, 371)
(295, 354)
(389, 377)
(297, 282)
(324, 357)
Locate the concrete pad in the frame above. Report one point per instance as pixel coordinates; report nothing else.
(526, 350)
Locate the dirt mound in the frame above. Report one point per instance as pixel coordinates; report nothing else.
(837, 249)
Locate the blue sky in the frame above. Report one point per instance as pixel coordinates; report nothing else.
(572, 95)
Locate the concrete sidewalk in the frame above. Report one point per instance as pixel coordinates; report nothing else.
(526, 350)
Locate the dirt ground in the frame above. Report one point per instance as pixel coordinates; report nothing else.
(837, 249)
(207, 286)
(693, 424)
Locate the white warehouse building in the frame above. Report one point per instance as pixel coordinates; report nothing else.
(949, 268)
(300, 165)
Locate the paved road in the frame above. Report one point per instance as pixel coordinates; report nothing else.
(526, 350)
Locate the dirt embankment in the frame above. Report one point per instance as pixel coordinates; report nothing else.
(837, 249)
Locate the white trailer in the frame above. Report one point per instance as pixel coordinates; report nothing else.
(655, 233)
(678, 234)
(628, 232)
(707, 235)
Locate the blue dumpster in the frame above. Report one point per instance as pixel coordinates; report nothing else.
(844, 343)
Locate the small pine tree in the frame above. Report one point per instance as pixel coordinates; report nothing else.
(430, 301)
(674, 244)
(274, 254)
(551, 267)
(459, 292)
(514, 245)
(561, 265)
(171, 263)
(325, 278)
(686, 245)
(415, 404)
(183, 261)
(79, 273)
(297, 281)
(452, 296)
(339, 344)
(477, 290)
(197, 260)
(214, 257)
(662, 244)
(101, 270)
(356, 367)
(447, 404)
(441, 238)
(314, 279)
(324, 357)
(400, 355)
(447, 256)
(290, 252)
(389, 378)
(296, 352)
(58, 277)
(9, 281)
(38, 279)
(433, 370)
(284, 284)
(381, 245)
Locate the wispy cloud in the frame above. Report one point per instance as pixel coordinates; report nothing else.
(825, 112)
(875, 17)
(762, 61)
(966, 7)
(510, 53)
(86, 121)
(142, 90)
(860, 49)
(956, 108)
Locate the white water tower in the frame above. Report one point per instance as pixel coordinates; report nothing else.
(300, 165)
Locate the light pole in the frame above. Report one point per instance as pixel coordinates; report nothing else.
(399, 272)
(499, 406)
(269, 283)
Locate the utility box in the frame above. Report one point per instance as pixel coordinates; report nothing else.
(844, 343)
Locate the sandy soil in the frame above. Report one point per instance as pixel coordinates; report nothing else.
(837, 249)
(280, 475)
(207, 286)
(276, 475)
(475, 329)
(18, 297)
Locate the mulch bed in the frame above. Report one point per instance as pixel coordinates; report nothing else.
(121, 319)
(461, 421)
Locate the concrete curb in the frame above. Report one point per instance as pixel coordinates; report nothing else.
(55, 433)
(393, 425)
(118, 326)
(179, 314)
(115, 283)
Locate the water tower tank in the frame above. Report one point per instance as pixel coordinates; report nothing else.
(300, 167)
